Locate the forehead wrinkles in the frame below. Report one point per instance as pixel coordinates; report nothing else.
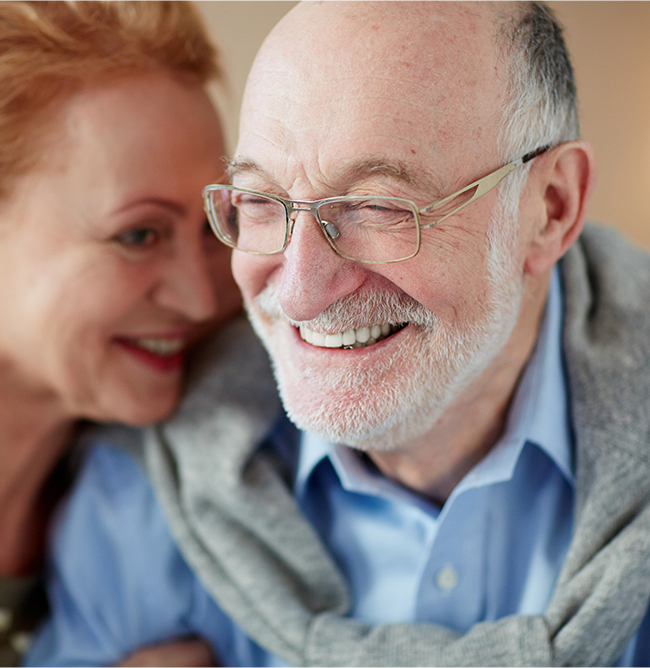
(356, 172)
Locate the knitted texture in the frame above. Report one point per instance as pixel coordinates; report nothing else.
(240, 529)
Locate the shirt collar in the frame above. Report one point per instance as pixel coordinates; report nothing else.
(538, 415)
(540, 411)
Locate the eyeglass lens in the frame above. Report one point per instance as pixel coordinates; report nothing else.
(250, 222)
(366, 229)
(371, 230)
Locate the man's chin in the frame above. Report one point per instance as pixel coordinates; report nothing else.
(370, 438)
(364, 422)
(366, 407)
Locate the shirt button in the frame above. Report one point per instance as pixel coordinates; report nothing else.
(20, 642)
(6, 619)
(447, 578)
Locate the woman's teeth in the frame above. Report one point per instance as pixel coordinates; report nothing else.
(353, 338)
(163, 347)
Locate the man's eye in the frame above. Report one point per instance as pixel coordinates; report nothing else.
(139, 237)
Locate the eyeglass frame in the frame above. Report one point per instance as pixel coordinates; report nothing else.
(483, 186)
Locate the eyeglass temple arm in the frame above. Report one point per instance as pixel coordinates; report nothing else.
(533, 154)
(483, 186)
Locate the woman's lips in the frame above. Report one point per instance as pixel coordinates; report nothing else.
(162, 354)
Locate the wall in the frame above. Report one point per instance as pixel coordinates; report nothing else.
(611, 52)
(239, 27)
(610, 48)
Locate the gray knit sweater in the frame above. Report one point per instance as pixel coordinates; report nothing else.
(240, 529)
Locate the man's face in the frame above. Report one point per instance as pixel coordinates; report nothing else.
(397, 100)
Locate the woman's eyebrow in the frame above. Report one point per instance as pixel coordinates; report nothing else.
(163, 202)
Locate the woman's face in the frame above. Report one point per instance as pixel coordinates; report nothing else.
(108, 271)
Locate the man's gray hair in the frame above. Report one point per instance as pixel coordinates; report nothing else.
(542, 109)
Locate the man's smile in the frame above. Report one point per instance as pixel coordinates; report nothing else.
(360, 337)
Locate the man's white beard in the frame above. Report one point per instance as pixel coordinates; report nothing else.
(383, 406)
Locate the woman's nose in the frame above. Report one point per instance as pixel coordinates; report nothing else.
(188, 285)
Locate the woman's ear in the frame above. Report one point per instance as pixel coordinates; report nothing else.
(562, 182)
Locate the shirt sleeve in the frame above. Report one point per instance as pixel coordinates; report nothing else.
(116, 579)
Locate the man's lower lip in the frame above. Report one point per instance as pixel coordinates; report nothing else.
(165, 363)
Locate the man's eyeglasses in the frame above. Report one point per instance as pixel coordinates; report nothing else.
(372, 230)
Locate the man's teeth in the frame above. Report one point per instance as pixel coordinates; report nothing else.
(165, 347)
(353, 338)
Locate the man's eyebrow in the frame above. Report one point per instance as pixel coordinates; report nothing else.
(376, 166)
(353, 173)
(242, 165)
(396, 170)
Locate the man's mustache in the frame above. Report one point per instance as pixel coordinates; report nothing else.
(360, 309)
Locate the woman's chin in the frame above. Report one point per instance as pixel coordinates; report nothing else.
(135, 410)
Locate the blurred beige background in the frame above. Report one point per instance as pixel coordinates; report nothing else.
(610, 47)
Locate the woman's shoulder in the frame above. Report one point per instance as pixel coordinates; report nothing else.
(111, 464)
(116, 579)
(111, 506)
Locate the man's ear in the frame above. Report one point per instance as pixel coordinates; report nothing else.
(562, 182)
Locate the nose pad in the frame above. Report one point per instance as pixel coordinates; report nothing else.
(304, 230)
(331, 230)
(294, 217)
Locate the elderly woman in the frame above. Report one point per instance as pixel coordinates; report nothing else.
(109, 273)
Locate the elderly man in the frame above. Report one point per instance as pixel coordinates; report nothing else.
(472, 407)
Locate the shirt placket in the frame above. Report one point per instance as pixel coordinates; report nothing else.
(452, 585)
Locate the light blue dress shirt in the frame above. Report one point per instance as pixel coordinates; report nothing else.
(497, 545)
(494, 549)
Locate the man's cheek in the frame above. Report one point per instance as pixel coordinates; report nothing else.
(244, 272)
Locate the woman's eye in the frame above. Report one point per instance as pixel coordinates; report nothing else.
(139, 237)
(207, 229)
(210, 236)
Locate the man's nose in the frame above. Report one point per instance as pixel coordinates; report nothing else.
(313, 275)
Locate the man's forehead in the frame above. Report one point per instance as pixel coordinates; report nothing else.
(369, 76)
(336, 49)
(369, 35)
